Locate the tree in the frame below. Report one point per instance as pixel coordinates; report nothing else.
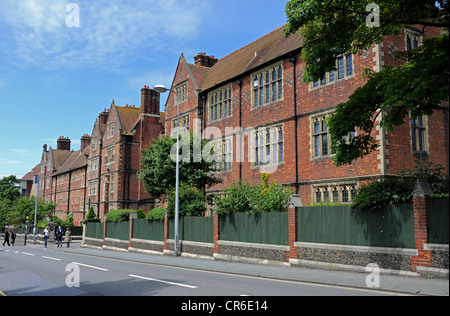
(9, 188)
(418, 87)
(192, 201)
(159, 166)
(9, 194)
(26, 207)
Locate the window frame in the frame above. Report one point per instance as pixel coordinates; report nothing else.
(267, 86)
(268, 150)
(419, 134)
(220, 101)
(342, 193)
(317, 138)
(333, 76)
(223, 155)
(182, 91)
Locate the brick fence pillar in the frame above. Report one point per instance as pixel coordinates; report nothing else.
(133, 217)
(166, 232)
(215, 249)
(293, 205)
(105, 224)
(421, 191)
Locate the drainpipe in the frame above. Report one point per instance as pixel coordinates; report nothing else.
(293, 60)
(240, 127)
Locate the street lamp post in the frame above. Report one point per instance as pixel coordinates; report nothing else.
(163, 89)
(36, 187)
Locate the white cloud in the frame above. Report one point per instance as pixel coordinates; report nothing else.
(110, 32)
(9, 162)
(24, 152)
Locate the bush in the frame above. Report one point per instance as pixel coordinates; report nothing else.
(391, 191)
(385, 192)
(157, 214)
(239, 197)
(264, 198)
(90, 218)
(192, 201)
(120, 216)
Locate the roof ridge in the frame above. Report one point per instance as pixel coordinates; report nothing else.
(199, 66)
(251, 43)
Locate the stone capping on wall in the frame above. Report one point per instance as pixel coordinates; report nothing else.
(253, 245)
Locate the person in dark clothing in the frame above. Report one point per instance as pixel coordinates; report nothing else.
(7, 234)
(59, 235)
(13, 237)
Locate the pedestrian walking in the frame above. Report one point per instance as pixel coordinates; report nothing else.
(59, 235)
(46, 236)
(68, 237)
(13, 237)
(7, 234)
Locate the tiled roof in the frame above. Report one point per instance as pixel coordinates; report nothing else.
(32, 173)
(128, 117)
(75, 161)
(254, 55)
(59, 156)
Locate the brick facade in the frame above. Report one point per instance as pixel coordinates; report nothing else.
(296, 112)
(103, 173)
(256, 90)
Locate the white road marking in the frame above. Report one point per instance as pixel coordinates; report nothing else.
(89, 266)
(50, 258)
(162, 281)
(28, 254)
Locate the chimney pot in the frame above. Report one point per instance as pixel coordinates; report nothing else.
(206, 61)
(63, 143)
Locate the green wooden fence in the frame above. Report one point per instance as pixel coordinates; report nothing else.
(392, 226)
(119, 231)
(264, 228)
(148, 230)
(199, 229)
(438, 222)
(94, 230)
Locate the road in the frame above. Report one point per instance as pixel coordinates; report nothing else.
(33, 271)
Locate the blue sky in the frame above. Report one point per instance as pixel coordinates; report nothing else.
(55, 80)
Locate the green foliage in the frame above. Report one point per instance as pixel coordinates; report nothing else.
(119, 216)
(157, 214)
(391, 191)
(24, 207)
(331, 28)
(68, 222)
(192, 201)
(381, 193)
(91, 217)
(9, 188)
(264, 198)
(159, 166)
(239, 197)
(9, 195)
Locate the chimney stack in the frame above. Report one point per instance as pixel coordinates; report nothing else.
(63, 143)
(149, 101)
(103, 117)
(206, 61)
(85, 141)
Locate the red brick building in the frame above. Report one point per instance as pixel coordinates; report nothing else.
(256, 94)
(264, 118)
(103, 173)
